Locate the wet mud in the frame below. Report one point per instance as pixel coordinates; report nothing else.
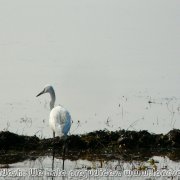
(122, 144)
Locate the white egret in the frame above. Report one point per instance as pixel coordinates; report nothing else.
(60, 118)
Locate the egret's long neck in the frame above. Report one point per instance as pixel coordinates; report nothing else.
(53, 98)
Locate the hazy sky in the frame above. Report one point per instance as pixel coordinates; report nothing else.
(92, 51)
(132, 41)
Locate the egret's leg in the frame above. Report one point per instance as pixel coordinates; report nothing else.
(53, 151)
(64, 151)
(53, 154)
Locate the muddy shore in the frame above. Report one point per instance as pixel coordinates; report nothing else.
(122, 144)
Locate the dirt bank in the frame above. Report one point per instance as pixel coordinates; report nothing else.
(105, 144)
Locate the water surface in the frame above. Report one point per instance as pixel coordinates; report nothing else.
(41, 168)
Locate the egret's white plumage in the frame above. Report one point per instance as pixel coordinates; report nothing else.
(60, 121)
(60, 118)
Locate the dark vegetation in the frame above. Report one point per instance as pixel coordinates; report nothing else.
(126, 145)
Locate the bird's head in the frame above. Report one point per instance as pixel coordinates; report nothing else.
(47, 89)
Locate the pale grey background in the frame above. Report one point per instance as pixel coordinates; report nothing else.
(93, 52)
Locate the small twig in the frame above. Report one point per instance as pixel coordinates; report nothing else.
(134, 123)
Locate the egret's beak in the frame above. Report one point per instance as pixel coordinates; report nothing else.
(40, 93)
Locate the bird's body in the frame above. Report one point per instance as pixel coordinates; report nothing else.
(60, 118)
(60, 121)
